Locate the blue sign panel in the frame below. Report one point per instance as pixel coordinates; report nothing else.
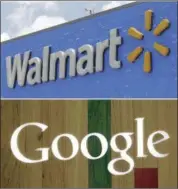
(127, 52)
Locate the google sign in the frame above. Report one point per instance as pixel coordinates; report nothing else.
(76, 146)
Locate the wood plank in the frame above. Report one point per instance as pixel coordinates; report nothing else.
(76, 123)
(122, 121)
(99, 121)
(30, 174)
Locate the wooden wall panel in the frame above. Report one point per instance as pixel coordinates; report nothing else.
(80, 118)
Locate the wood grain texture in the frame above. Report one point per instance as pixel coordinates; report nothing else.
(99, 119)
(80, 118)
(10, 119)
(159, 115)
(61, 117)
(122, 121)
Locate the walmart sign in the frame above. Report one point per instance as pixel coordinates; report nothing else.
(45, 70)
(128, 52)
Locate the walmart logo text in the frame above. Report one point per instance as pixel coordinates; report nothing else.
(87, 59)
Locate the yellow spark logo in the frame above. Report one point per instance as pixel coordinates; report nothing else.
(163, 50)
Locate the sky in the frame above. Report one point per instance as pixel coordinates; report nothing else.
(23, 17)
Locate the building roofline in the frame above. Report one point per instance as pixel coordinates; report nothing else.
(74, 21)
